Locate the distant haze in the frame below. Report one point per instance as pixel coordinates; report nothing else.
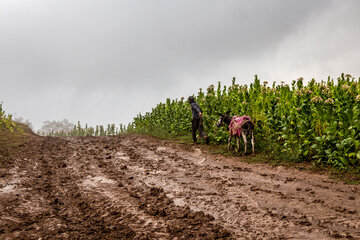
(104, 61)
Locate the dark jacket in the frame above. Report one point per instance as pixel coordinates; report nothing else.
(195, 109)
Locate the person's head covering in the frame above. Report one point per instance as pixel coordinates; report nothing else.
(191, 99)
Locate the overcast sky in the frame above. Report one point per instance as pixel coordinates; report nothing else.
(104, 61)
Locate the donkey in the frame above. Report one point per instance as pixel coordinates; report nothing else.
(238, 126)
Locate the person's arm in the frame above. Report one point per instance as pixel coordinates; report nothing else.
(197, 108)
(200, 111)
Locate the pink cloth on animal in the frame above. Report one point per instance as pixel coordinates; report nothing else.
(236, 123)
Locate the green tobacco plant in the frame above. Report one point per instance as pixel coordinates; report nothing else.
(99, 130)
(317, 121)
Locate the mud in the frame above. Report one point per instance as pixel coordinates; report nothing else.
(138, 187)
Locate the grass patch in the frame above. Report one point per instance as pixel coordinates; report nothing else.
(348, 177)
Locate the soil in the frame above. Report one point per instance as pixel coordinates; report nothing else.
(140, 187)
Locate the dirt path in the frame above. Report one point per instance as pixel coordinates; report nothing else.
(136, 187)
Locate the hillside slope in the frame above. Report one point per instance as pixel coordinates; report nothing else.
(11, 142)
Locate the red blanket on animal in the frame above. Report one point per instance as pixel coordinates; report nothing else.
(236, 124)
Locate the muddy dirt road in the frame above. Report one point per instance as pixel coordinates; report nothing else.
(137, 187)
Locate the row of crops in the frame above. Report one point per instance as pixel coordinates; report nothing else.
(81, 131)
(317, 121)
(6, 120)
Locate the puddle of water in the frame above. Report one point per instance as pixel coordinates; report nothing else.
(161, 149)
(179, 202)
(7, 189)
(95, 181)
(196, 157)
(197, 152)
(151, 158)
(170, 195)
(202, 161)
(122, 156)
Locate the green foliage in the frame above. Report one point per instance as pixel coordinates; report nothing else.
(81, 131)
(317, 122)
(6, 120)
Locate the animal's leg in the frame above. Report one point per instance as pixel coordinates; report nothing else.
(238, 144)
(253, 143)
(229, 141)
(245, 141)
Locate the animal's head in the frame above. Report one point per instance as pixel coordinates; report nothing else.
(223, 118)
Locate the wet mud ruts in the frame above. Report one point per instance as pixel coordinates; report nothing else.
(138, 187)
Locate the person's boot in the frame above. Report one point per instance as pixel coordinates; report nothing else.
(207, 141)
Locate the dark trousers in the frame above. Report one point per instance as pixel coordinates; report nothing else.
(197, 124)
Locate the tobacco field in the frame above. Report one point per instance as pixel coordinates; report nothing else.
(317, 121)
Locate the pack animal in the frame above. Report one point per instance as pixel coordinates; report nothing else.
(238, 127)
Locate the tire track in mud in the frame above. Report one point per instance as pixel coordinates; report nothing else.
(83, 215)
(204, 191)
(261, 204)
(72, 190)
(152, 209)
(138, 187)
(23, 210)
(66, 212)
(114, 197)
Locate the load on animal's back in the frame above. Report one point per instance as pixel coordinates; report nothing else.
(238, 126)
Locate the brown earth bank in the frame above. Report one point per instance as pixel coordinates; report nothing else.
(139, 187)
(11, 142)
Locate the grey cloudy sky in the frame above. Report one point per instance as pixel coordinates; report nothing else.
(104, 61)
